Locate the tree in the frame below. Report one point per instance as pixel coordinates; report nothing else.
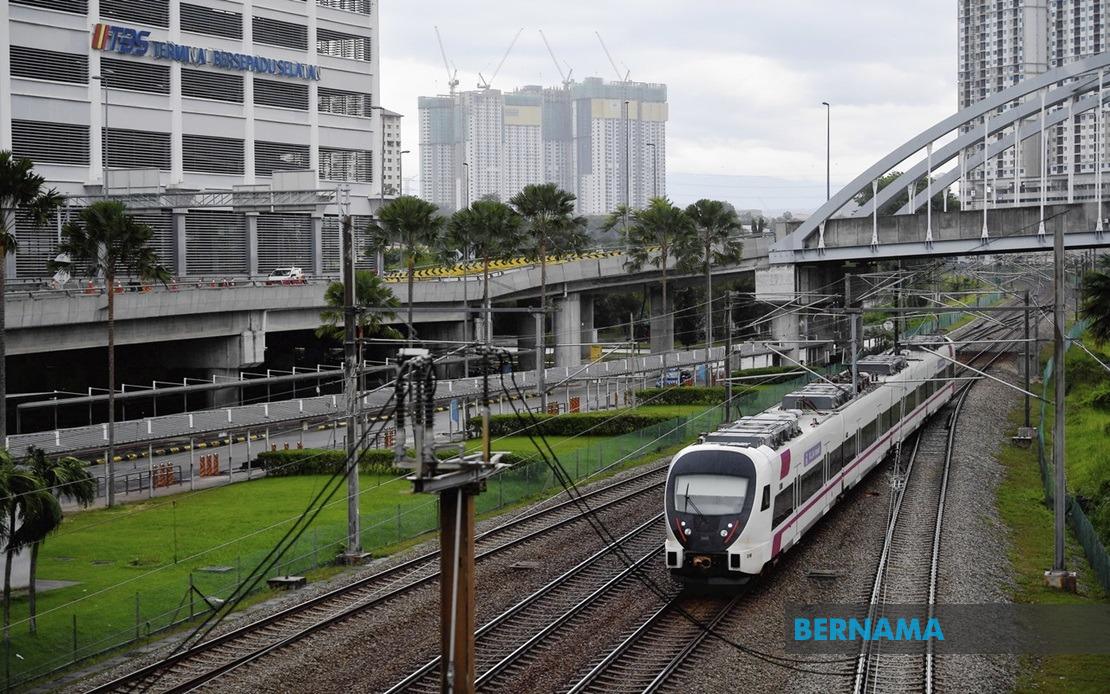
(656, 232)
(27, 513)
(370, 290)
(759, 224)
(21, 190)
(903, 197)
(1096, 300)
(493, 230)
(109, 242)
(715, 223)
(618, 219)
(409, 222)
(555, 229)
(64, 477)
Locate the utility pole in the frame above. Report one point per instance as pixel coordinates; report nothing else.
(541, 376)
(465, 283)
(1028, 364)
(354, 553)
(728, 356)
(853, 316)
(1059, 576)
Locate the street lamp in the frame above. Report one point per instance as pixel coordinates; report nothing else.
(401, 170)
(466, 256)
(828, 156)
(654, 173)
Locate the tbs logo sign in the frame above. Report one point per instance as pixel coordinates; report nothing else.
(106, 37)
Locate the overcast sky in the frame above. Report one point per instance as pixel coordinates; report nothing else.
(745, 78)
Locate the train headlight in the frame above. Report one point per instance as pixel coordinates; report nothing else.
(724, 533)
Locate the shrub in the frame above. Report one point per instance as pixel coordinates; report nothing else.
(689, 395)
(322, 461)
(788, 372)
(1100, 399)
(606, 423)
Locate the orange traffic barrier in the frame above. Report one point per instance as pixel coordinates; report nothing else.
(300, 445)
(273, 447)
(575, 405)
(91, 288)
(286, 445)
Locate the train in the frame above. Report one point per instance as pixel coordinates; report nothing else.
(743, 495)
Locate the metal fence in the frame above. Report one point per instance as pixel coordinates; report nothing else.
(1092, 544)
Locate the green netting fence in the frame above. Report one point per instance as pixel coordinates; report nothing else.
(1092, 545)
(66, 638)
(939, 322)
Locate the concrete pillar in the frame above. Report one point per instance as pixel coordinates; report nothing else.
(786, 328)
(317, 245)
(662, 321)
(568, 330)
(589, 332)
(252, 243)
(224, 357)
(180, 248)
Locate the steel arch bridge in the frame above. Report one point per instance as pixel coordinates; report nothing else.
(843, 230)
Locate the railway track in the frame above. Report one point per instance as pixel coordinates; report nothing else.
(906, 574)
(247, 644)
(510, 642)
(645, 659)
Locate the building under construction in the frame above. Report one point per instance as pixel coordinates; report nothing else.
(603, 141)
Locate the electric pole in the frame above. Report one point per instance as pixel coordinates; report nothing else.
(728, 356)
(354, 553)
(1059, 577)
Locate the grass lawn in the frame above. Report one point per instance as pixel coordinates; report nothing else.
(1021, 506)
(139, 559)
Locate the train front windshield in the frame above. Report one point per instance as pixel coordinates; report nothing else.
(710, 495)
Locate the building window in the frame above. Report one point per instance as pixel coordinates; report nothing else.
(147, 13)
(135, 76)
(53, 143)
(136, 149)
(359, 6)
(37, 63)
(345, 164)
(277, 33)
(202, 84)
(206, 153)
(75, 6)
(281, 94)
(343, 102)
(279, 156)
(341, 45)
(207, 20)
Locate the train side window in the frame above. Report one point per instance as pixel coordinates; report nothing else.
(890, 417)
(811, 482)
(850, 449)
(922, 394)
(784, 505)
(836, 459)
(911, 402)
(868, 434)
(766, 503)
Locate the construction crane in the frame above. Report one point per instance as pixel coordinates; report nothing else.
(452, 76)
(627, 72)
(567, 81)
(482, 82)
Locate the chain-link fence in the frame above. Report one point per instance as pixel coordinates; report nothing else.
(1081, 525)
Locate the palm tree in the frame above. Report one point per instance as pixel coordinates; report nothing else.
(370, 290)
(555, 230)
(21, 190)
(1096, 300)
(656, 234)
(618, 218)
(494, 232)
(27, 513)
(64, 477)
(409, 222)
(714, 222)
(108, 241)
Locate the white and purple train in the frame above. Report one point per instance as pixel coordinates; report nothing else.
(746, 493)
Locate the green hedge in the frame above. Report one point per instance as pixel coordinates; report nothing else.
(607, 423)
(688, 395)
(322, 461)
(769, 371)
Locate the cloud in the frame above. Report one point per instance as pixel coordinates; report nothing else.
(745, 78)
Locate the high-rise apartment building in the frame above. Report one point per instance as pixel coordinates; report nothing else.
(605, 142)
(184, 105)
(1002, 42)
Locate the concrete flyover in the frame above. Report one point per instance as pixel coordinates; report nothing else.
(227, 322)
